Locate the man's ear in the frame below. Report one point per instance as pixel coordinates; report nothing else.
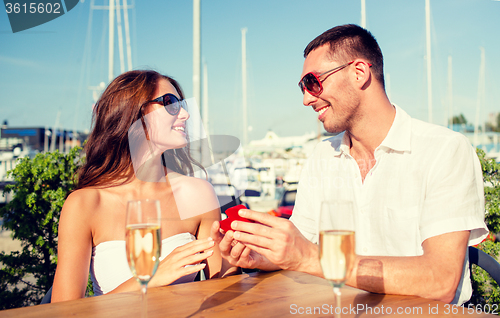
(362, 73)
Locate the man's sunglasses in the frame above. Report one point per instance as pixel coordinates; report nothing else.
(171, 103)
(311, 82)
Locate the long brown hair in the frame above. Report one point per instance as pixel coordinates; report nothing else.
(108, 161)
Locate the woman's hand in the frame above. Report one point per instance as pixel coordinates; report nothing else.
(174, 266)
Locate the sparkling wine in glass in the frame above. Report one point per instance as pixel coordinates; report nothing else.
(337, 244)
(143, 242)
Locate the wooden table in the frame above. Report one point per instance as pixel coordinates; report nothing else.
(261, 295)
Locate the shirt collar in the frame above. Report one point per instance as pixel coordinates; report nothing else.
(345, 144)
(398, 138)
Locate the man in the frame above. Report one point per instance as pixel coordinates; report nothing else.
(417, 187)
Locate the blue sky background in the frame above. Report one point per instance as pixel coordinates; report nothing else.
(48, 69)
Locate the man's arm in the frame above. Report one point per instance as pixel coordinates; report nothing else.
(435, 274)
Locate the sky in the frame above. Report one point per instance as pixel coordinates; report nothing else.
(46, 72)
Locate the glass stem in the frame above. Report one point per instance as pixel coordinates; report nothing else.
(144, 312)
(336, 291)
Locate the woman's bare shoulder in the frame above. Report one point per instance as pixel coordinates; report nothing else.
(83, 200)
(186, 186)
(193, 196)
(85, 195)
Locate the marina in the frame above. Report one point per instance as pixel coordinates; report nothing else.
(250, 127)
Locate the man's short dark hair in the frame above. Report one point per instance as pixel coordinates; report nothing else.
(348, 42)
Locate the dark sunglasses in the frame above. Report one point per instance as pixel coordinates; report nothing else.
(171, 103)
(311, 82)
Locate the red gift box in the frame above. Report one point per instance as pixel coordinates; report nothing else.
(232, 215)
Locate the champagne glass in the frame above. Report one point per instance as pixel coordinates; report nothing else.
(143, 242)
(337, 244)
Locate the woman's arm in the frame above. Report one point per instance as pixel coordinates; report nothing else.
(217, 266)
(197, 199)
(74, 249)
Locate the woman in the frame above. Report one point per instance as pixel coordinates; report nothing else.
(92, 222)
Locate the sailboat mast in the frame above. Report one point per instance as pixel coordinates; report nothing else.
(196, 51)
(480, 96)
(197, 75)
(428, 57)
(120, 36)
(244, 83)
(449, 120)
(363, 14)
(127, 35)
(205, 97)
(111, 44)
(54, 133)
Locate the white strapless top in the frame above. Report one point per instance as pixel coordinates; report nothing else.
(109, 267)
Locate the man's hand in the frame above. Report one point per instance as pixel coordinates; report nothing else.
(271, 243)
(236, 253)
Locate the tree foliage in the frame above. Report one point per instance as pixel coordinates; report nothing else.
(486, 290)
(40, 187)
(460, 120)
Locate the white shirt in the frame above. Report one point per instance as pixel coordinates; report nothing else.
(427, 181)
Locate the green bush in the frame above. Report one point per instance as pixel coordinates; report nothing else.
(485, 289)
(40, 187)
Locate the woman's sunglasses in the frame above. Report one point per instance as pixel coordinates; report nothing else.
(171, 103)
(311, 82)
